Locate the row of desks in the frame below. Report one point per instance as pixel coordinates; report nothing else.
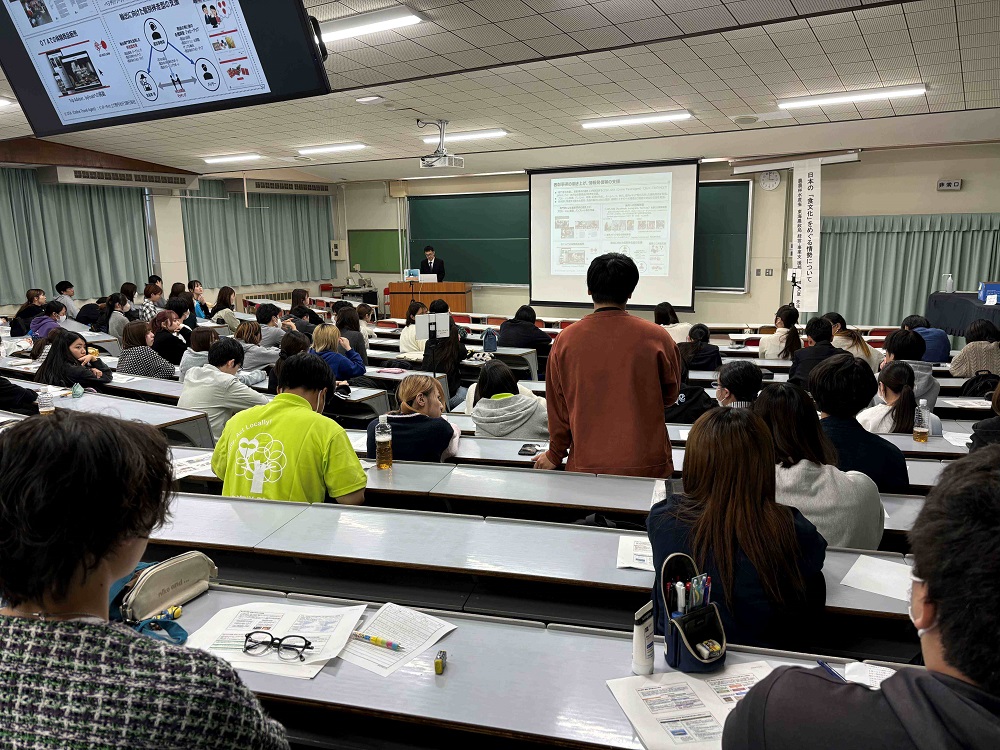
(949, 385)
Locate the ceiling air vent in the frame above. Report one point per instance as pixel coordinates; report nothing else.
(279, 186)
(116, 178)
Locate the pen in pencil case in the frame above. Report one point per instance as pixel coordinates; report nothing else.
(376, 641)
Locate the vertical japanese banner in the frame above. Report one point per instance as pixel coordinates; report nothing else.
(806, 213)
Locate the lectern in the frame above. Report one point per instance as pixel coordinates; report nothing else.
(458, 295)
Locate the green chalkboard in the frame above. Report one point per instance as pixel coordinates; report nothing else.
(377, 250)
(720, 237)
(482, 238)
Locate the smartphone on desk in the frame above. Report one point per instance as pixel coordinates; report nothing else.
(530, 449)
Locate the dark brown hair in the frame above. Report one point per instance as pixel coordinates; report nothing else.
(897, 376)
(152, 289)
(134, 334)
(789, 317)
(203, 338)
(790, 415)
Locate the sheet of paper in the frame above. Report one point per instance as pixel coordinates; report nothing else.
(26, 366)
(635, 552)
(119, 378)
(867, 674)
(366, 465)
(959, 403)
(684, 434)
(958, 439)
(671, 710)
(991, 299)
(328, 630)
(187, 467)
(360, 442)
(880, 576)
(415, 631)
(659, 492)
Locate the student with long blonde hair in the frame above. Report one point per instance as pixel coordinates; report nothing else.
(419, 432)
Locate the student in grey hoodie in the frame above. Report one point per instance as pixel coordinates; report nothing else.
(500, 411)
(197, 356)
(909, 347)
(953, 703)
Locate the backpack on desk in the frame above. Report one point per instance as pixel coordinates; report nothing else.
(981, 385)
(489, 340)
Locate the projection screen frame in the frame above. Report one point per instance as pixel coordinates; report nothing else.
(696, 162)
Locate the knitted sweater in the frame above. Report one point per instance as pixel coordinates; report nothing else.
(979, 355)
(90, 684)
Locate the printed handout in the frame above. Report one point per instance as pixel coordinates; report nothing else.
(659, 492)
(193, 465)
(867, 674)
(635, 552)
(415, 631)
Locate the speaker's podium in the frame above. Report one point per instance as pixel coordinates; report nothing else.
(458, 295)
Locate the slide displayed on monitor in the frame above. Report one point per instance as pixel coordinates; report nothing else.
(98, 62)
(645, 212)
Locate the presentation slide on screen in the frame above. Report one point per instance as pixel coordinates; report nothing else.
(646, 213)
(110, 58)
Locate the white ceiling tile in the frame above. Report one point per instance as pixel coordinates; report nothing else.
(703, 19)
(651, 29)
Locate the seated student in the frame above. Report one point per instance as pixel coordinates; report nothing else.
(938, 345)
(981, 350)
(225, 309)
(197, 356)
(738, 384)
(176, 289)
(68, 363)
(155, 280)
(785, 341)
(80, 494)
(256, 356)
(899, 404)
(349, 324)
(293, 343)
(40, 347)
(112, 319)
(908, 346)
(138, 357)
(300, 455)
(841, 387)
(819, 332)
(500, 411)
(408, 341)
(665, 317)
(66, 292)
(183, 308)
(89, 313)
(697, 353)
(987, 431)
(851, 341)
(844, 506)
(52, 314)
(692, 402)
(167, 340)
(953, 703)
(765, 559)
(441, 306)
(272, 328)
(300, 308)
(366, 314)
(31, 308)
(326, 340)
(419, 432)
(128, 291)
(197, 292)
(446, 355)
(471, 399)
(521, 331)
(214, 389)
(14, 398)
(152, 296)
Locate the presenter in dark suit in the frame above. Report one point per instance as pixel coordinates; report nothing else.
(430, 264)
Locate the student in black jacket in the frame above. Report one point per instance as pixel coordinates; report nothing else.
(697, 353)
(955, 702)
(14, 398)
(819, 332)
(69, 363)
(521, 331)
(842, 386)
(987, 431)
(32, 308)
(167, 340)
(692, 402)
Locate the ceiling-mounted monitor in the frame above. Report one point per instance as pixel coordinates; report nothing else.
(81, 64)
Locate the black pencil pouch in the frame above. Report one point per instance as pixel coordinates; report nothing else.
(686, 631)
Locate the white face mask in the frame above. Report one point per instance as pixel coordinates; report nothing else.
(921, 632)
(62, 318)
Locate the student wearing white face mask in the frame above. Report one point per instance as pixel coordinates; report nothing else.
(955, 702)
(738, 384)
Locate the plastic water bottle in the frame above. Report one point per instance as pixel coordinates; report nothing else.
(45, 405)
(921, 422)
(949, 283)
(383, 443)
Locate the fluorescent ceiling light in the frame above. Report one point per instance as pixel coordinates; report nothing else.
(845, 97)
(234, 157)
(331, 148)
(477, 174)
(369, 99)
(614, 122)
(469, 135)
(368, 23)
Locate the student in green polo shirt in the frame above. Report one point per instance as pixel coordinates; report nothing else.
(287, 449)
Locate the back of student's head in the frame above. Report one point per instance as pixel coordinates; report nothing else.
(819, 330)
(134, 334)
(299, 297)
(348, 320)
(842, 385)
(203, 338)
(915, 321)
(415, 385)
(266, 313)
(339, 304)
(53, 308)
(364, 311)
(40, 345)
(730, 503)
(154, 279)
(325, 337)
(854, 338)
(741, 378)
(790, 415)
(897, 376)
(222, 351)
(954, 546)
(60, 360)
(178, 306)
(115, 301)
(788, 315)
(151, 289)
(73, 489)
(292, 343)
(62, 286)
(982, 330)
(415, 309)
(699, 336)
(176, 288)
(611, 278)
(494, 377)
(905, 344)
(526, 313)
(248, 332)
(664, 315)
(438, 306)
(305, 371)
(128, 290)
(162, 319)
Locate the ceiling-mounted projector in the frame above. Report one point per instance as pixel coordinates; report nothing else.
(440, 159)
